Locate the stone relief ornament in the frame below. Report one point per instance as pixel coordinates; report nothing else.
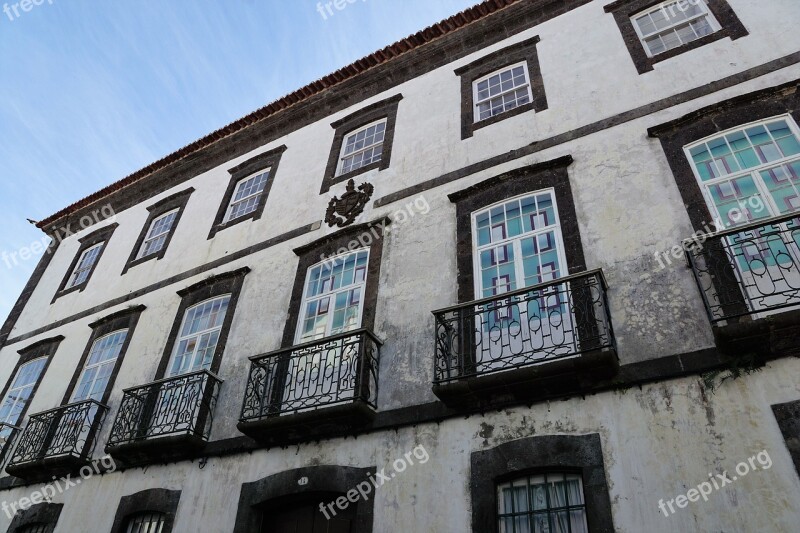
(343, 211)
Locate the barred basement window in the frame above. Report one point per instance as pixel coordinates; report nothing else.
(37, 528)
(362, 147)
(157, 235)
(502, 91)
(146, 523)
(247, 195)
(542, 503)
(674, 24)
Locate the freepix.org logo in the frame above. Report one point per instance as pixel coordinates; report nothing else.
(16, 10)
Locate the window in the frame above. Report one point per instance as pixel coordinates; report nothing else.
(248, 190)
(85, 265)
(518, 244)
(146, 523)
(38, 518)
(501, 85)
(20, 391)
(199, 334)
(673, 24)
(91, 249)
(37, 528)
(99, 367)
(158, 229)
(550, 503)
(245, 198)
(333, 297)
(362, 142)
(157, 235)
(656, 30)
(751, 172)
(362, 147)
(502, 91)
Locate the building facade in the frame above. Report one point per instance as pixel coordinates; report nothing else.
(534, 268)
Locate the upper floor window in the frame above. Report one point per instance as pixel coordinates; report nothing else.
(655, 30)
(19, 393)
(362, 147)
(673, 24)
(362, 142)
(248, 190)
(199, 334)
(501, 85)
(99, 366)
(246, 196)
(502, 91)
(91, 249)
(146, 522)
(551, 502)
(157, 234)
(83, 269)
(751, 172)
(333, 296)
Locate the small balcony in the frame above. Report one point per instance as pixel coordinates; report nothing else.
(324, 387)
(530, 343)
(749, 279)
(58, 441)
(168, 418)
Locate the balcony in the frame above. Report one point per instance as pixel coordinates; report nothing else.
(530, 343)
(168, 418)
(749, 279)
(58, 441)
(324, 387)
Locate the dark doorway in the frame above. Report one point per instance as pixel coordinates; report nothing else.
(303, 515)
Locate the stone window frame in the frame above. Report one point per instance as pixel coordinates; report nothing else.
(269, 159)
(170, 203)
(226, 283)
(150, 500)
(713, 119)
(524, 51)
(102, 235)
(125, 319)
(529, 179)
(623, 10)
(788, 417)
(368, 235)
(385, 109)
(44, 513)
(45, 347)
(576, 453)
(317, 479)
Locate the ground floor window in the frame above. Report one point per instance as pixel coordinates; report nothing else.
(542, 503)
(146, 523)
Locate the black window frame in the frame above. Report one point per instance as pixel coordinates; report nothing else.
(624, 10)
(226, 283)
(269, 159)
(157, 500)
(44, 513)
(581, 454)
(45, 347)
(126, 319)
(102, 235)
(516, 53)
(385, 109)
(175, 201)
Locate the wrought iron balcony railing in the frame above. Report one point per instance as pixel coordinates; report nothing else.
(337, 370)
(748, 270)
(7, 435)
(65, 434)
(177, 408)
(550, 321)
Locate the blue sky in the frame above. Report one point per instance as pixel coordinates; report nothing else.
(92, 91)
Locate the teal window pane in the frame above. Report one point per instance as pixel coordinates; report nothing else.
(738, 140)
(758, 135)
(497, 215)
(484, 236)
(528, 247)
(486, 259)
(514, 227)
(789, 146)
(719, 148)
(747, 158)
(700, 154)
(482, 220)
